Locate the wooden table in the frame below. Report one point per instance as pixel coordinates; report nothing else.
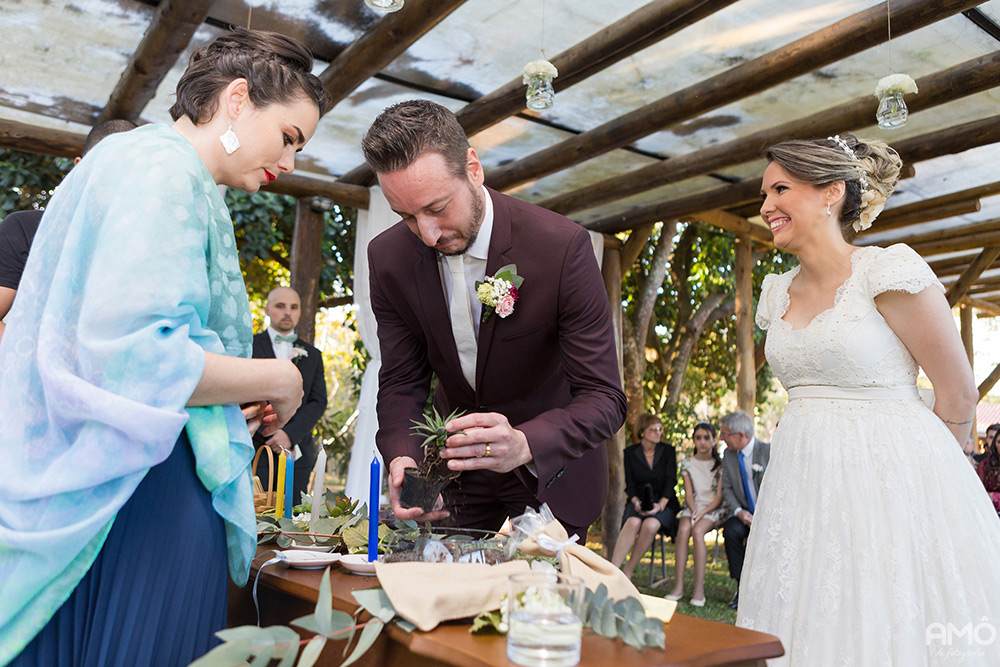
(286, 594)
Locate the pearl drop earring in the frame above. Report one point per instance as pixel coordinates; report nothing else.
(828, 211)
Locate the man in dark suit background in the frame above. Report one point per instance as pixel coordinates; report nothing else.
(743, 466)
(541, 383)
(279, 341)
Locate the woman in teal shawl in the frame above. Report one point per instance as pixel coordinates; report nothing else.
(125, 362)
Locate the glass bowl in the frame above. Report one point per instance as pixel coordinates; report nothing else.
(446, 545)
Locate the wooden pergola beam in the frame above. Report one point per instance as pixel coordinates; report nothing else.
(952, 232)
(971, 194)
(388, 39)
(60, 143)
(964, 79)
(989, 382)
(851, 35)
(344, 194)
(961, 286)
(953, 139)
(42, 140)
(734, 223)
(924, 214)
(169, 33)
(957, 243)
(985, 307)
(645, 26)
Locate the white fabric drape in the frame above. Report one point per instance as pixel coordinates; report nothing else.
(371, 223)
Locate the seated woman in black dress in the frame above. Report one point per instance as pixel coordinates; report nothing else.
(650, 477)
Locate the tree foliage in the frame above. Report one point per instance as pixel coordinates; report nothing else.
(27, 180)
(688, 351)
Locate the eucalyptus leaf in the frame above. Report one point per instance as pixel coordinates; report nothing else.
(376, 603)
(308, 623)
(311, 651)
(228, 654)
(368, 637)
(609, 624)
(405, 624)
(324, 605)
(251, 632)
(487, 620)
(286, 643)
(263, 650)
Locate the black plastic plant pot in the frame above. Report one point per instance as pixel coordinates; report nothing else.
(418, 491)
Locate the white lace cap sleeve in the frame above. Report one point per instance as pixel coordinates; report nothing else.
(765, 302)
(899, 268)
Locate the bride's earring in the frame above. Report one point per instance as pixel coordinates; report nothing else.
(231, 142)
(828, 211)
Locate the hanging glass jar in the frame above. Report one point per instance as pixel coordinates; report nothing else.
(385, 6)
(892, 110)
(537, 76)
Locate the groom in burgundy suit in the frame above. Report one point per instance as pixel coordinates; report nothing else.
(541, 385)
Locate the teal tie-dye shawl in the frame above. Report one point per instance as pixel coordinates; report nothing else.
(132, 276)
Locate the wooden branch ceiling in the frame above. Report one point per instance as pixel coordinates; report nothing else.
(662, 108)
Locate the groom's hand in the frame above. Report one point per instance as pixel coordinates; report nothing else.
(487, 442)
(396, 467)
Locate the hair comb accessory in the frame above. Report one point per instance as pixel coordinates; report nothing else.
(863, 175)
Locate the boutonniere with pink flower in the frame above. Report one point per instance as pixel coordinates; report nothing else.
(298, 353)
(499, 291)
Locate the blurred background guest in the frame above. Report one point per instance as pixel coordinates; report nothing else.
(989, 466)
(650, 478)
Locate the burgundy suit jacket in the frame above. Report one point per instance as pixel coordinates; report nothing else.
(550, 367)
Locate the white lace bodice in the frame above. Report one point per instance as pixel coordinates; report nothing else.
(849, 345)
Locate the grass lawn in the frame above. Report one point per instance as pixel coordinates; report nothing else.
(719, 588)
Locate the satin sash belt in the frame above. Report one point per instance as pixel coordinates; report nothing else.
(853, 393)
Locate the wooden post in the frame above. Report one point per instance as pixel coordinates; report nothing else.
(965, 319)
(614, 506)
(746, 382)
(307, 261)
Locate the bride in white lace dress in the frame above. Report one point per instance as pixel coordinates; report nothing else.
(873, 542)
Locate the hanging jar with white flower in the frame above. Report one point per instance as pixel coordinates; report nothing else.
(892, 111)
(537, 76)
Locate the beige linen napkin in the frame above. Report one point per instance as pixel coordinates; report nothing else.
(579, 561)
(429, 593)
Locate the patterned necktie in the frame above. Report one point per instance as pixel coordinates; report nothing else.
(290, 338)
(746, 482)
(461, 318)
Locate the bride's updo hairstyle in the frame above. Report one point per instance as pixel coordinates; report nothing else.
(278, 69)
(868, 167)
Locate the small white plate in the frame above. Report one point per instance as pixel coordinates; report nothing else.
(312, 547)
(358, 564)
(309, 560)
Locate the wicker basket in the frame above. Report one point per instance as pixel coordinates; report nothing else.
(263, 500)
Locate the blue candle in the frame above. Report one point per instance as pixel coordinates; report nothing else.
(289, 482)
(374, 486)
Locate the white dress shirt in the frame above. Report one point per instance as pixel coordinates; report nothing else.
(282, 350)
(475, 264)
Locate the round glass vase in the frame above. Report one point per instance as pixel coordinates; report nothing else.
(892, 110)
(540, 95)
(385, 6)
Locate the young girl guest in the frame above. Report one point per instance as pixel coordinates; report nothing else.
(650, 477)
(125, 361)
(702, 475)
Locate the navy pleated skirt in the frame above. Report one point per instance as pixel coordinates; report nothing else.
(158, 589)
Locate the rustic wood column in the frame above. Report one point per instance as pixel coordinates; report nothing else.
(965, 320)
(611, 518)
(306, 263)
(746, 382)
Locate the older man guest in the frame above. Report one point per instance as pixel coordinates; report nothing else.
(538, 376)
(743, 467)
(280, 341)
